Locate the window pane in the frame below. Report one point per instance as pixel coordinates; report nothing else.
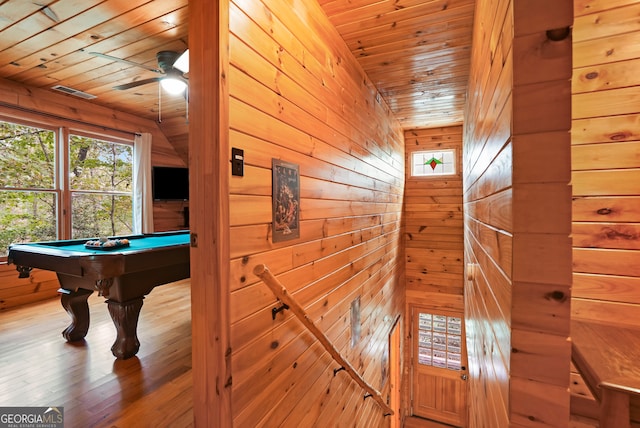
(433, 163)
(26, 157)
(101, 215)
(99, 165)
(26, 217)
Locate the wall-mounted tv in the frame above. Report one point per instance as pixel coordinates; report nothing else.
(170, 183)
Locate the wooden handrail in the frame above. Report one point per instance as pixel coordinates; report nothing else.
(281, 293)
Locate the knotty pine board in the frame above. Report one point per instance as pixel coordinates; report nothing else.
(602, 287)
(508, 105)
(14, 291)
(296, 94)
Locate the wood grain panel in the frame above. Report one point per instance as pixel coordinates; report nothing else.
(14, 291)
(530, 347)
(543, 301)
(606, 103)
(433, 233)
(598, 182)
(169, 216)
(482, 143)
(605, 76)
(606, 209)
(510, 218)
(494, 306)
(488, 390)
(497, 244)
(541, 214)
(583, 7)
(606, 235)
(606, 287)
(209, 208)
(296, 94)
(605, 129)
(607, 22)
(610, 49)
(433, 208)
(541, 403)
(606, 156)
(605, 312)
(415, 52)
(606, 261)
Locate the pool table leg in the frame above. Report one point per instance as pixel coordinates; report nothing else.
(75, 303)
(125, 318)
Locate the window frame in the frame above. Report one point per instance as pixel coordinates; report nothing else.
(63, 130)
(68, 193)
(454, 155)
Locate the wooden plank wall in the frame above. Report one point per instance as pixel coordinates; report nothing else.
(487, 233)
(433, 238)
(433, 224)
(169, 215)
(517, 214)
(209, 203)
(606, 161)
(297, 94)
(19, 101)
(541, 204)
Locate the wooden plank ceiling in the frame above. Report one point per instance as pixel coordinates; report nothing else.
(415, 51)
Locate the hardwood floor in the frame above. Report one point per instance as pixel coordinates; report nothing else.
(153, 389)
(416, 422)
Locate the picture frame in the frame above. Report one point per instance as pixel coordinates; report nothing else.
(286, 200)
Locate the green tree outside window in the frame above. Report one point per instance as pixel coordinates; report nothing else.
(100, 186)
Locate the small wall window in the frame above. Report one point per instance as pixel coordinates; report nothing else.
(433, 163)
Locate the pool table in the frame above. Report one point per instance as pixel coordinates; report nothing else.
(122, 275)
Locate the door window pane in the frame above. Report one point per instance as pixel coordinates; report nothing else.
(439, 341)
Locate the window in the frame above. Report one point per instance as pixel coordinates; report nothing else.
(433, 163)
(439, 340)
(28, 211)
(47, 172)
(100, 174)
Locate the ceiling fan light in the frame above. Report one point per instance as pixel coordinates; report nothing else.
(182, 63)
(173, 86)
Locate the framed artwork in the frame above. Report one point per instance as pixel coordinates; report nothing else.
(286, 200)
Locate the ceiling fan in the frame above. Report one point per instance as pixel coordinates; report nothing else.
(171, 65)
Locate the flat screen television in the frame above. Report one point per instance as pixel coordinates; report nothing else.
(170, 183)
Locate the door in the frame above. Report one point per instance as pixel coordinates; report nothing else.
(394, 375)
(439, 361)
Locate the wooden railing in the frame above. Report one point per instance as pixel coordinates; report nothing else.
(608, 358)
(281, 293)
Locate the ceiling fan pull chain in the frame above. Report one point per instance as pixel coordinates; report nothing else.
(159, 103)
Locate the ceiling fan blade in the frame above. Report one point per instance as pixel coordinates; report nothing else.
(136, 83)
(125, 61)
